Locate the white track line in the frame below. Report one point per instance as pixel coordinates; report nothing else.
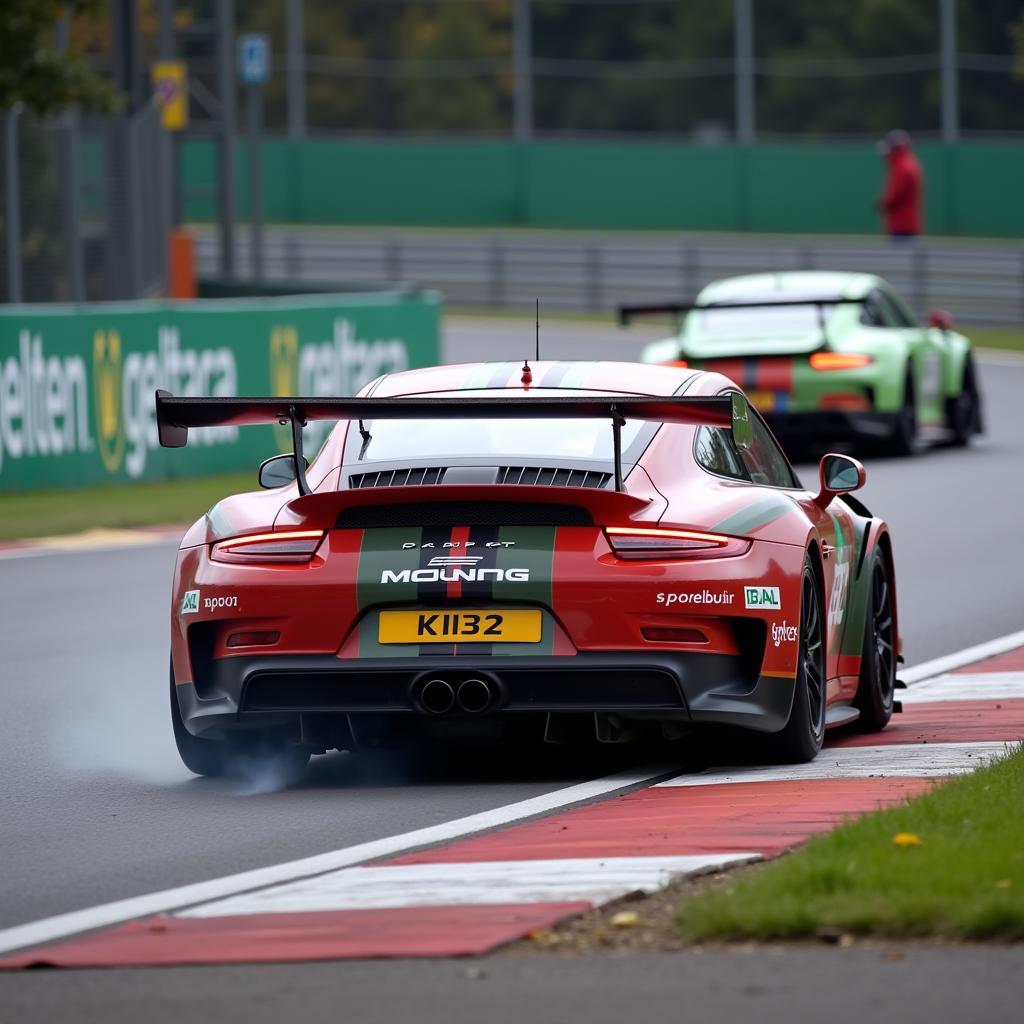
(949, 662)
(30, 550)
(63, 925)
(985, 686)
(444, 885)
(894, 760)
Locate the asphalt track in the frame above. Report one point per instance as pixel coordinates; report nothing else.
(95, 806)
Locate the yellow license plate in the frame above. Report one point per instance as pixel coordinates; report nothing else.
(762, 401)
(462, 625)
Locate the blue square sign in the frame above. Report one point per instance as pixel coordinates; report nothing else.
(253, 58)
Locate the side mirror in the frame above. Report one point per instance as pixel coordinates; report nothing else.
(940, 319)
(278, 471)
(742, 428)
(838, 474)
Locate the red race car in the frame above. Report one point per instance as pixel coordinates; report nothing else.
(491, 550)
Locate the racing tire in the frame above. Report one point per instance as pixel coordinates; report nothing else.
(963, 411)
(801, 738)
(903, 439)
(877, 684)
(218, 759)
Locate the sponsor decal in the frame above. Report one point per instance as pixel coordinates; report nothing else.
(106, 380)
(840, 578)
(762, 597)
(449, 544)
(456, 560)
(783, 632)
(212, 604)
(696, 597)
(454, 574)
(284, 373)
(182, 371)
(44, 402)
(190, 602)
(840, 588)
(340, 365)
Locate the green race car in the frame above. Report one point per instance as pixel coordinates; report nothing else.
(827, 357)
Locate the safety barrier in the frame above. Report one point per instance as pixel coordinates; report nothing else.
(979, 282)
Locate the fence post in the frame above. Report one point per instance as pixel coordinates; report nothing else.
(295, 68)
(496, 264)
(70, 183)
(919, 272)
(522, 72)
(293, 256)
(70, 149)
(254, 131)
(594, 267)
(393, 261)
(226, 87)
(744, 61)
(691, 268)
(950, 97)
(12, 204)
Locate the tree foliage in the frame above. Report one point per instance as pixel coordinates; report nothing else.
(33, 71)
(660, 67)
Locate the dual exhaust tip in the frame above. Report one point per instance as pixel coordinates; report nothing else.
(472, 696)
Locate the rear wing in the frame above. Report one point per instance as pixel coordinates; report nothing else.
(627, 314)
(174, 416)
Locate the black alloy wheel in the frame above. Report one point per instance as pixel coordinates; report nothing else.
(878, 658)
(963, 411)
(903, 440)
(804, 733)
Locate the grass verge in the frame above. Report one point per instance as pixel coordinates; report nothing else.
(45, 513)
(1009, 339)
(965, 879)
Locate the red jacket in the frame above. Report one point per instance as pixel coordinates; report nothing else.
(901, 201)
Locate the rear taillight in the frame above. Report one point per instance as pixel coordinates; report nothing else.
(839, 360)
(635, 543)
(286, 547)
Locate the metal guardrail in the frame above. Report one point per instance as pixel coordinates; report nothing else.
(978, 282)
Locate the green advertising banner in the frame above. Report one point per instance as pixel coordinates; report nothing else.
(77, 382)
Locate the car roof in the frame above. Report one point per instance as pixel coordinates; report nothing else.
(586, 375)
(794, 284)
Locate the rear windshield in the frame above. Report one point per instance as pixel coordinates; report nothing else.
(392, 440)
(752, 322)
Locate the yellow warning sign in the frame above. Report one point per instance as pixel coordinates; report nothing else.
(170, 84)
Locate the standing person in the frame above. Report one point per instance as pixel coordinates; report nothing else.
(901, 201)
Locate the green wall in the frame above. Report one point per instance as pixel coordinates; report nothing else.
(77, 382)
(972, 189)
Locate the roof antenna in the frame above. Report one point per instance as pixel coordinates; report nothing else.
(527, 378)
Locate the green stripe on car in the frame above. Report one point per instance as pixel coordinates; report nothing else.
(757, 514)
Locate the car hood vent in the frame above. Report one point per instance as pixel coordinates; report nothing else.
(540, 476)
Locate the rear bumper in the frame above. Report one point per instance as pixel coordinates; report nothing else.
(830, 424)
(294, 692)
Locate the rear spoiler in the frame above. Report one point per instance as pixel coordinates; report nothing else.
(174, 416)
(627, 314)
